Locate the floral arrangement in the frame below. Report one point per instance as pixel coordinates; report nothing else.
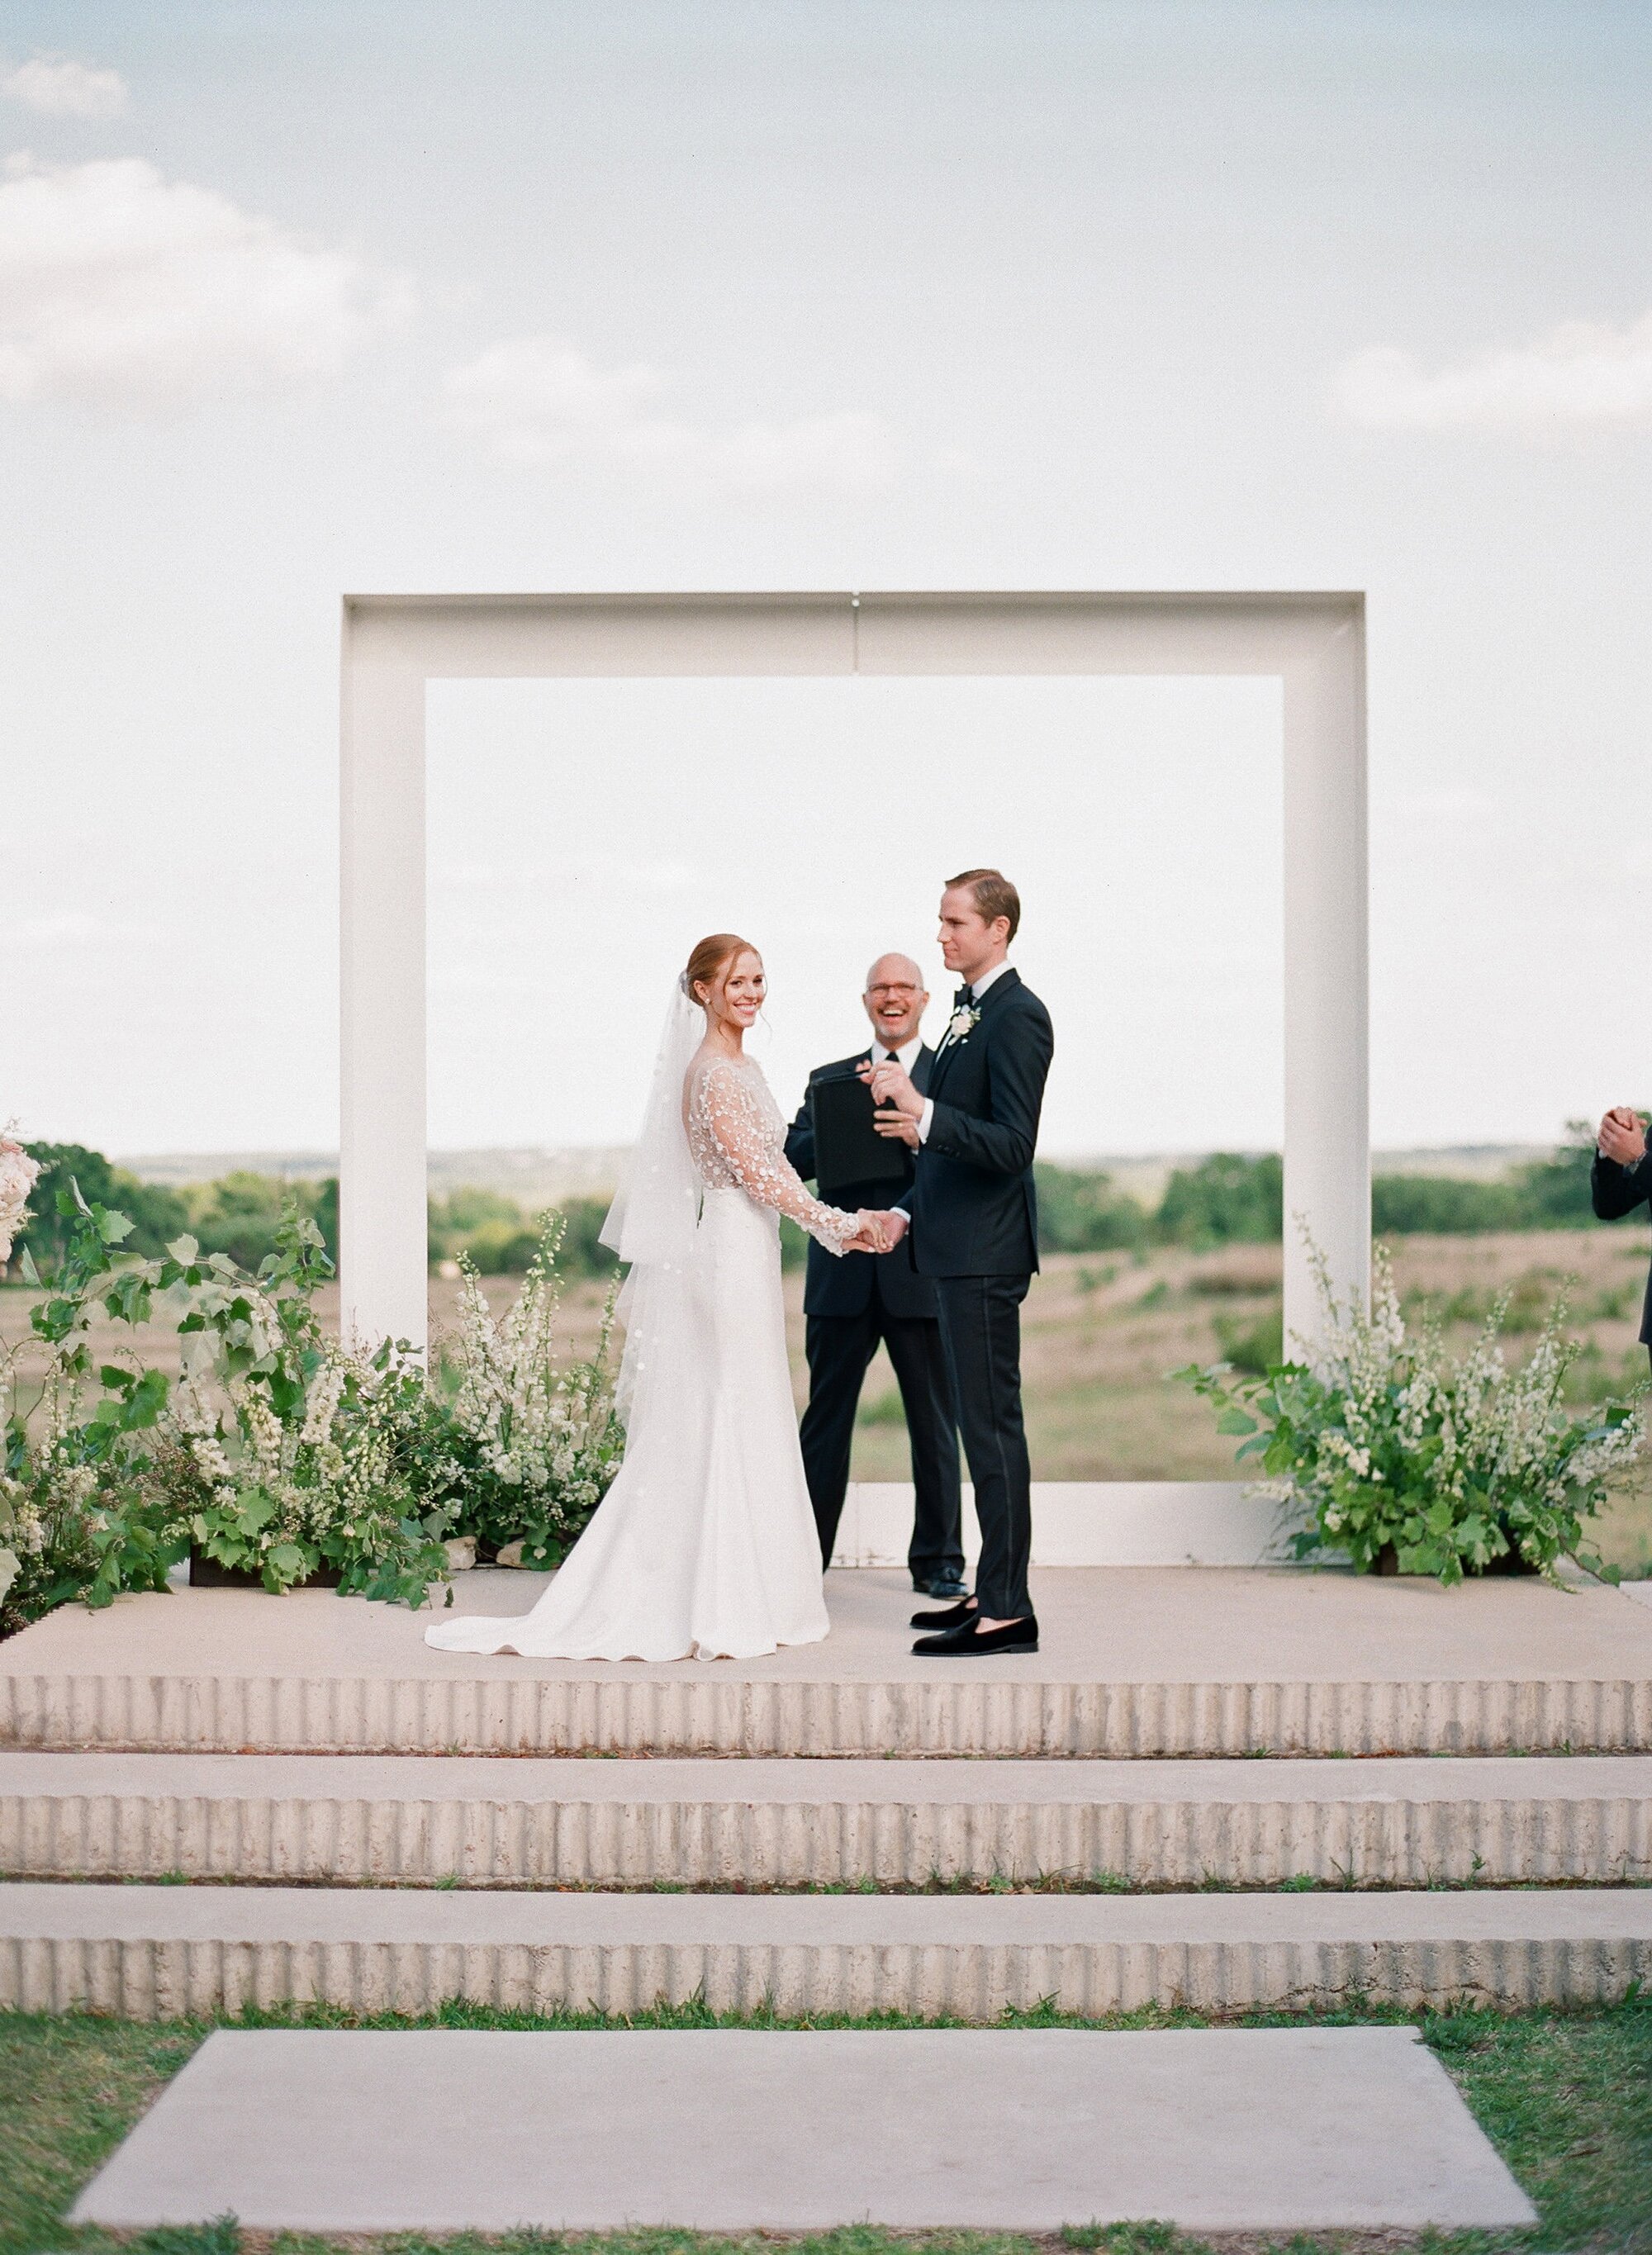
(318, 1461)
(1400, 1454)
(75, 1449)
(279, 1453)
(537, 1442)
(19, 1174)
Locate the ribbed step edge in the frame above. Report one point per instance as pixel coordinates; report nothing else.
(716, 1842)
(142, 1979)
(422, 1714)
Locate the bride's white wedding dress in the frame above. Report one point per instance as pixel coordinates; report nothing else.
(706, 1544)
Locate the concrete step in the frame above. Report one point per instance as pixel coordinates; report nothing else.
(413, 1820)
(1136, 1663)
(149, 1952)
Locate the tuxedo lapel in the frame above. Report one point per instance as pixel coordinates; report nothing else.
(948, 1050)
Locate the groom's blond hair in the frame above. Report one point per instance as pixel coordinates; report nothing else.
(994, 896)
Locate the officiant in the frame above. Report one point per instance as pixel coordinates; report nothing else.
(852, 1306)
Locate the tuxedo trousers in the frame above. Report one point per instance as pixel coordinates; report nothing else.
(981, 1330)
(839, 1349)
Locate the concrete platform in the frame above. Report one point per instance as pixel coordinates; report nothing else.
(160, 1952)
(1135, 1662)
(736, 2131)
(488, 1821)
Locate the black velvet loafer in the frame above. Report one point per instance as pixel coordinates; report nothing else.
(949, 1617)
(968, 1642)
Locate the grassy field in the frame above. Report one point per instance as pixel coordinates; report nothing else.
(1566, 2097)
(1103, 1330)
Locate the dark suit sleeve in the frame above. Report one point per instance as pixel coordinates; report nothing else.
(800, 1141)
(1017, 1063)
(1615, 1191)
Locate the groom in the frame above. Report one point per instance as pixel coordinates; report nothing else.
(975, 1224)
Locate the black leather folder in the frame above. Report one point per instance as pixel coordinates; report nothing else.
(848, 1147)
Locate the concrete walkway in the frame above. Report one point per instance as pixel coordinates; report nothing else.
(736, 2131)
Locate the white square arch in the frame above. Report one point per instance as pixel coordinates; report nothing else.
(1313, 644)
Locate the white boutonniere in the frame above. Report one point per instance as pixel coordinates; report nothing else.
(961, 1024)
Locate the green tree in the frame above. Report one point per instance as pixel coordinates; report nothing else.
(1081, 1211)
(1228, 1198)
(1444, 1205)
(1553, 1193)
(241, 1214)
(157, 1214)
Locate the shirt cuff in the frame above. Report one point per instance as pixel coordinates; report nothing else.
(925, 1119)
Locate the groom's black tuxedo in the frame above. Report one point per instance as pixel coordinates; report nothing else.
(975, 1231)
(849, 1305)
(1615, 1191)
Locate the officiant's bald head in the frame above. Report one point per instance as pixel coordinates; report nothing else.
(894, 999)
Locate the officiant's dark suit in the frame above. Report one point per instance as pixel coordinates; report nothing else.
(1617, 1188)
(849, 1306)
(975, 1231)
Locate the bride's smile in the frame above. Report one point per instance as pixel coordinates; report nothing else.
(733, 1002)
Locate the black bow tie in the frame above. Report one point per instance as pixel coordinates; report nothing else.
(964, 997)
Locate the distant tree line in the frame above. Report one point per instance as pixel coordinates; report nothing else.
(1237, 1197)
(1231, 1198)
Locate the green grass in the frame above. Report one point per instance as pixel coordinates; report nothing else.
(1566, 2096)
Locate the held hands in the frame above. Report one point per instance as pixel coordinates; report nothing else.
(869, 1236)
(1621, 1135)
(877, 1232)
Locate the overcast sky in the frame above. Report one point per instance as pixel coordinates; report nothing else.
(301, 298)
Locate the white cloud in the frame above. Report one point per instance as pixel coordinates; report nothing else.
(538, 401)
(58, 87)
(119, 286)
(1583, 373)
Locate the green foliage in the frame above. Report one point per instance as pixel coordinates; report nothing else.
(1386, 1442)
(533, 1443)
(74, 1518)
(885, 1408)
(1553, 1193)
(499, 1239)
(1441, 1205)
(1228, 1198)
(155, 1212)
(1081, 1211)
(1255, 1346)
(304, 1457)
(239, 1215)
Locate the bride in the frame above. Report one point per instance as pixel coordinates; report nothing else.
(705, 1547)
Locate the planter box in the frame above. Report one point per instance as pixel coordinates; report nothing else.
(207, 1574)
(1387, 1562)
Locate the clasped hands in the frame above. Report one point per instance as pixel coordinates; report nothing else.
(878, 1232)
(1622, 1137)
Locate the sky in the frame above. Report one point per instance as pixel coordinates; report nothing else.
(300, 300)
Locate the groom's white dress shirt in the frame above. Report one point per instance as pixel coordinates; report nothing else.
(976, 991)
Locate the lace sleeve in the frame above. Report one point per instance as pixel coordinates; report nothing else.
(732, 1114)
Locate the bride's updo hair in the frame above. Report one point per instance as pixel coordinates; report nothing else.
(710, 959)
